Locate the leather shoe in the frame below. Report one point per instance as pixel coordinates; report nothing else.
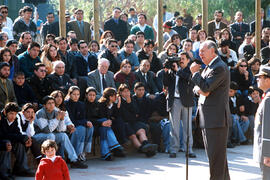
(192, 155)
(230, 145)
(172, 155)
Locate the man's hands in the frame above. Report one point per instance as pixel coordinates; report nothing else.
(195, 67)
(89, 124)
(71, 128)
(8, 146)
(28, 143)
(107, 123)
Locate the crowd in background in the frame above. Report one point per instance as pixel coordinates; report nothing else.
(72, 90)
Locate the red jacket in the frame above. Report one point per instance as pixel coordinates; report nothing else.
(48, 170)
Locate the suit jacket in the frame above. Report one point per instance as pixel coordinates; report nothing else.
(265, 53)
(236, 31)
(150, 86)
(82, 66)
(261, 146)
(214, 112)
(73, 25)
(58, 84)
(95, 81)
(264, 25)
(212, 27)
(185, 87)
(3, 95)
(119, 30)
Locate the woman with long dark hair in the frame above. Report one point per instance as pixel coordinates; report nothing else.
(81, 139)
(50, 55)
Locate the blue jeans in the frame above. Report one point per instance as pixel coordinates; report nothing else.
(165, 127)
(108, 141)
(62, 139)
(81, 139)
(239, 128)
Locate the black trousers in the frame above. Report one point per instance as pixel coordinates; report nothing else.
(215, 143)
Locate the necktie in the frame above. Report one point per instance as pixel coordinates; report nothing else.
(144, 75)
(61, 80)
(240, 27)
(6, 90)
(104, 84)
(81, 27)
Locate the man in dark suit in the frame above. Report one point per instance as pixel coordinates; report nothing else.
(50, 27)
(213, 107)
(81, 28)
(239, 29)
(265, 53)
(264, 23)
(147, 77)
(216, 24)
(180, 103)
(261, 150)
(101, 78)
(117, 26)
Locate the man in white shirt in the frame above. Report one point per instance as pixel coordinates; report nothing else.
(226, 54)
(7, 22)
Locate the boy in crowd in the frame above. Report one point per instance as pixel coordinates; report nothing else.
(10, 131)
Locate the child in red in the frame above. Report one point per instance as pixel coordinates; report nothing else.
(51, 167)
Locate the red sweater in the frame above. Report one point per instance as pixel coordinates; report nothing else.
(48, 170)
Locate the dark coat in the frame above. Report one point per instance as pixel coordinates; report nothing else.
(155, 64)
(41, 88)
(52, 28)
(182, 31)
(19, 27)
(3, 96)
(114, 61)
(150, 86)
(21, 49)
(265, 24)
(265, 53)
(145, 107)
(215, 111)
(105, 112)
(91, 110)
(76, 112)
(58, 84)
(24, 94)
(70, 66)
(119, 30)
(240, 79)
(212, 27)
(129, 112)
(185, 87)
(11, 132)
(81, 65)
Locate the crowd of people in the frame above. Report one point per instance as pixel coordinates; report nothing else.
(64, 92)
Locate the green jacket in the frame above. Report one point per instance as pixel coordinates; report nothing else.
(148, 31)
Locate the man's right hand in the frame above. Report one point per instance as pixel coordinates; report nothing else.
(8, 146)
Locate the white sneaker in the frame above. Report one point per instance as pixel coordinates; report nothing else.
(82, 157)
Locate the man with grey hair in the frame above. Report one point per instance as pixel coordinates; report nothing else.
(212, 85)
(101, 78)
(59, 79)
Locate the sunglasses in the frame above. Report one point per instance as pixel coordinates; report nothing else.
(42, 70)
(4, 12)
(243, 65)
(113, 46)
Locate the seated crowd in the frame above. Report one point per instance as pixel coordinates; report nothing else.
(73, 90)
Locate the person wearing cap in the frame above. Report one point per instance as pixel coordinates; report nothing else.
(25, 24)
(217, 23)
(50, 26)
(117, 26)
(7, 93)
(166, 17)
(143, 27)
(261, 148)
(168, 31)
(81, 27)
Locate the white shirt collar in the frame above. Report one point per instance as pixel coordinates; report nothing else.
(9, 123)
(52, 159)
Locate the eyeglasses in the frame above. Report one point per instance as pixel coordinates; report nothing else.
(42, 70)
(243, 65)
(4, 12)
(113, 46)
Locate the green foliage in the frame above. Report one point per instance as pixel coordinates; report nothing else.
(150, 6)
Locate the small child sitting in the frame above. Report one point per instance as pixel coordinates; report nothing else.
(52, 166)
